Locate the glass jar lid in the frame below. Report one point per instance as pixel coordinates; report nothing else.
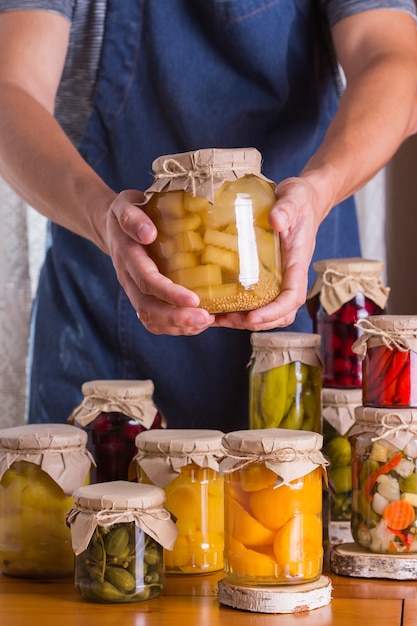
(133, 398)
(273, 349)
(289, 453)
(397, 426)
(393, 331)
(339, 407)
(105, 504)
(59, 449)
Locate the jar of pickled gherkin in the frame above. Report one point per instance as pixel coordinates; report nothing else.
(344, 292)
(112, 413)
(273, 506)
(285, 381)
(185, 464)
(388, 347)
(384, 465)
(211, 210)
(40, 466)
(338, 420)
(118, 533)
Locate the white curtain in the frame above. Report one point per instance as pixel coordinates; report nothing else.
(22, 245)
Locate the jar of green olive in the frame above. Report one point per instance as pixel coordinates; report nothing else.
(40, 466)
(338, 420)
(211, 210)
(285, 381)
(384, 467)
(118, 533)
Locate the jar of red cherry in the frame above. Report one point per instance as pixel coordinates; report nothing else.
(345, 291)
(112, 413)
(388, 347)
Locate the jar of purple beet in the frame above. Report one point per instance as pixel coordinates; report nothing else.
(344, 292)
(113, 413)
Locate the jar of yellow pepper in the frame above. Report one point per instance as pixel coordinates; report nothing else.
(273, 506)
(40, 467)
(285, 381)
(185, 464)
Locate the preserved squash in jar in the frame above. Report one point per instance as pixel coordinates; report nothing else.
(43, 464)
(211, 210)
(118, 533)
(185, 464)
(285, 381)
(345, 292)
(273, 506)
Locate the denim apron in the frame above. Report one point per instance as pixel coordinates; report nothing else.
(177, 76)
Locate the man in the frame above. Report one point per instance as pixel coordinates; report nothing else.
(130, 81)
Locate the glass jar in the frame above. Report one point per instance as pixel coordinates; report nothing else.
(345, 291)
(112, 413)
(285, 381)
(388, 347)
(211, 210)
(273, 506)
(118, 533)
(338, 420)
(185, 464)
(40, 466)
(384, 445)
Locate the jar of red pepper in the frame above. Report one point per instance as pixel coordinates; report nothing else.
(388, 347)
(345, 291)
(384, 473)
(112, 413)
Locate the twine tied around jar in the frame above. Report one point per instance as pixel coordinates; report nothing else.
(389, 338)
(393, 424)
(171, 168)
(366, 281)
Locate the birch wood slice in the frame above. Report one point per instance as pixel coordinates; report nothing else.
(339, 532)
(288, 599)
(350, 559)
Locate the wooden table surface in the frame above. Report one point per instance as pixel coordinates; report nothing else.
(192, 601)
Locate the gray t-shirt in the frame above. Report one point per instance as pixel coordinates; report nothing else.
(76, 91)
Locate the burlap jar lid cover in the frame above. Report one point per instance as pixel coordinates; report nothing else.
(339, 280)
(133, 398)
(396, 332)
(272, 349)
(339, 407)
(394, 425)
(290, 454)
(59, 449)
(202, 172)
(163, 452)
(116, 502)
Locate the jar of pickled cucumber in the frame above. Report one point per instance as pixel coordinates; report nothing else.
(185, 464)
(40, 466)
(211, 210)
(285, 381)
(388, 347)
(273, 506)
(344, 292)
(384, 465)
(338, 420)
(119, 530)
(112, 413)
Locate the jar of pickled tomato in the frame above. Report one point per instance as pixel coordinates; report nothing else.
(273, 506)
(384, 465)
(344, 292)
(338, 420)
(185, 464)
(40, 467)
(112, 413)
(285, 381)
(118, 533)
(211, 210)
(388, 347)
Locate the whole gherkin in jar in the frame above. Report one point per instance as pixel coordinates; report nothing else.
(285, 381)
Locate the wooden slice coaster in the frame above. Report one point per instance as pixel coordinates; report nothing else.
(350, 559)
(285, 599)
(339, 532)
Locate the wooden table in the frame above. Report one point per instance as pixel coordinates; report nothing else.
(192, 601)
